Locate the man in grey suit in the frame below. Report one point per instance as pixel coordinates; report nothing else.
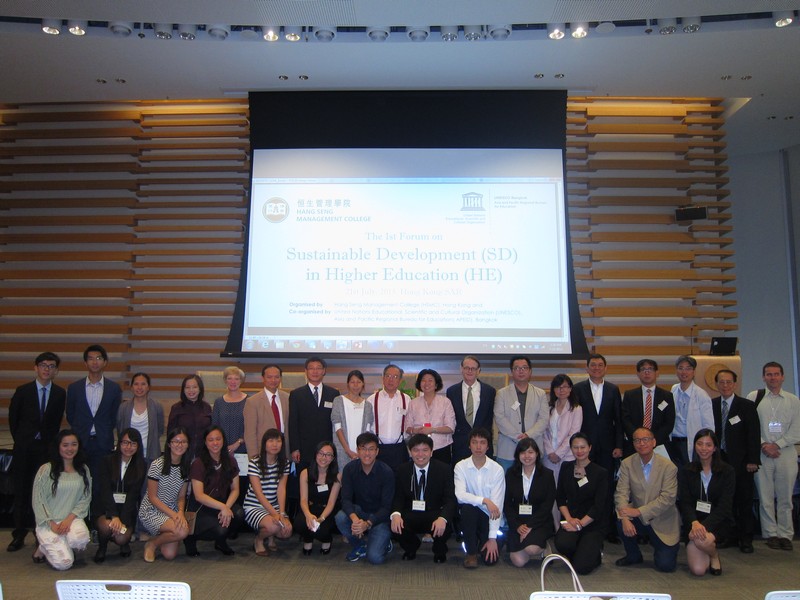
(268, 409)
(645, 501)
(520, 410)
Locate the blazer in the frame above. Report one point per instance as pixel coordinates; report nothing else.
(258, 418)
(483, 418)
(589, 499)
(338, 416)
(568, 423)
(155, 426)
(509, 420)
(24, 419)
(310, 424)
(80, 416)
(655, 498)
(440, 493)
(103, 503)
(720, 493)
(542, 497)
(604, 428)
(633, 415)
(743, 437)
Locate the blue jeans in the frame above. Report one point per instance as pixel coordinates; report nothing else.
(377, 537)
(665, 557)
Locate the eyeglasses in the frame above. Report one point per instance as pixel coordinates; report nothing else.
(128, 443)
(647, 370)
(643, 440)
(520, 369)
(179, 442)
(325, 454)
(469, 369)
(392, 377)
(564, 387)
(47, 366)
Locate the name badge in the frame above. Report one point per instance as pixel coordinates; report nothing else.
(515, 406)
(703, 507)
(663, 405)
(359, 406)
(734, 420)
(582, 481)
(322, 488)
(525, 509)
(775, 427)
(418, 505)
(402, 411)
(328, 404)
(119, 498)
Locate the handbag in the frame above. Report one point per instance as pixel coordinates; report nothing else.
(191, 519)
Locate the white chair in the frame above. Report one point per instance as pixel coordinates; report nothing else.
(84, 589)
(783, 595)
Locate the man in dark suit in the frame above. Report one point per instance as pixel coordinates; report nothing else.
(737, 426)
(424, 500)
(92, 405)
(310, 414)
(647, 406)
(479, 414)
(34, 418)
(602, 423)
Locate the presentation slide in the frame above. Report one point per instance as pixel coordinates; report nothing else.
(419, 251)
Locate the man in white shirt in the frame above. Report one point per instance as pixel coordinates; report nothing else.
(480, 488)
(693, 411)
(390, 406)
(779, 416)
(473, 404)
(520, 410)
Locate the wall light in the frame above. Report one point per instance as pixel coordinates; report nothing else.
(418, 33)
(163, 31)
(555, 31)
(271, 33)
(499, 32)
(378, 33)
(187, 32)
(473, 33)
(667, 26)
(325, 33)
(77, 26)
(121, 28)
(783, 18)
(449, 33)
(691, 24)
(218, 31)
(51, 26)
(292, 33)
(579, 30)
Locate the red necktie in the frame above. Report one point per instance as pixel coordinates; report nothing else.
(648, 410)
(276, 413)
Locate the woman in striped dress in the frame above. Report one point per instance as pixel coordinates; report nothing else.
(265, 503)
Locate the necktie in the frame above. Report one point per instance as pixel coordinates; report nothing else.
(723, 423)
(470, 407)
(316, 396)
(276, 413)
(648, 410)
(421, 486)
(44, 403)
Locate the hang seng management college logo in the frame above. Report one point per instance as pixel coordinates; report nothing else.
(276, 210)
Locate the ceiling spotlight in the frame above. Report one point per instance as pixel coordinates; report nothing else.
(163, 31)
(187, 32)
(579, 30)
(783, 18)
(449, 33)
(77, 27)
(218, 31)
(667, 26)
(473, 33)
(51, 26)
(271, 33)
(499, 32)
(690, 24)
(555, 31)
(121, 28)
(292, 33)
(418, 33)
(325, 33)
(378, 33)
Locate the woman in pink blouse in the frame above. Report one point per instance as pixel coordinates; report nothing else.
(432, 414)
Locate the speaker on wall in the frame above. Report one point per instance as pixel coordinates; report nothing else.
(691, 213)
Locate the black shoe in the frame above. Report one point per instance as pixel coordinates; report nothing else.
(125, 550)
(191, 547)
(37, 559)
(409, 555)
(612, 538)
(16, 544)
(440, 558)
(746, 547)
(627, 562)
(325, 550)
(715, 572)
(224, 548)
(307, 551)
(100, 555)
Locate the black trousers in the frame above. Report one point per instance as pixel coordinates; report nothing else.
(474, 529)
(25, 462)
(393, 455)
(417, 523)
(743, 502)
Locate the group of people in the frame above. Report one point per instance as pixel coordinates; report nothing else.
(577, 466)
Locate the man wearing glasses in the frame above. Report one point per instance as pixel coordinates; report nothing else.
(473, 403)
(390, 406)
(645, 501)
(692, 411)
(34, 418)
(647, 406)
(520, 410)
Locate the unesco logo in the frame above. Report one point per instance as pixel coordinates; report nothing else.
(276, 210)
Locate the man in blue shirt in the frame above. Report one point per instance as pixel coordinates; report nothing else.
(367, 493)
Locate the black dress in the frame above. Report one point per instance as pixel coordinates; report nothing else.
(317, 501)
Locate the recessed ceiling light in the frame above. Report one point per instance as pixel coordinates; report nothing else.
(667, 26)
(163, 31)
(473, 33)
(121, 28)
(538, 75)
(579, 30)
(303, 77)
(746, 77)
(555, 31)
(783, 18)
(449, 33)
(101, 80)
(499, 32)
(559, 76)
(292, 33)
(187, 32)
(51, 26)
(378, 33)
(691, 24)
(77, 26)
(283, 77)
(605, 27)
(726, 77)
(418, 33)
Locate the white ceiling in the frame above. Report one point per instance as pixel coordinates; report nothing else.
(39, 68)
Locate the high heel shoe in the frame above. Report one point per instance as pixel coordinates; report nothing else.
(125, 550)
(100, 555)
(37, 558)
(325, 550)
(224, 548)
(715, 572)
(307, 551)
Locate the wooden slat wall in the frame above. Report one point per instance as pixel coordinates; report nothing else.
(122, 224)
